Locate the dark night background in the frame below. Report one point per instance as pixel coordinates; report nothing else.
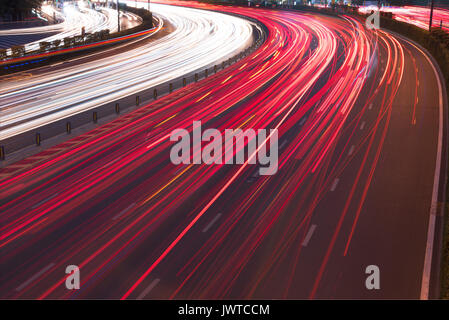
(18, 9)
(419, 2)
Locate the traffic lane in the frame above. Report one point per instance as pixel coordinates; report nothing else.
(23, 145)
(238, 289)
(339, 281)
(165, 273)
(392, 226)
(58, 131)
(256, 279)
(136, 128)
(29, 253)
(55, 67)
(256, 211)
(128, 21)
(107, 84)
(98, 215)
(406, 189)
(74, 19)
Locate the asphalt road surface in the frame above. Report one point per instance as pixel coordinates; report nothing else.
(359, 115)
(199, 39)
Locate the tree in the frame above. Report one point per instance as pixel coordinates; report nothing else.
(19, 9)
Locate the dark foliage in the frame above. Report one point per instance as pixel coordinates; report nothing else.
(18, 9)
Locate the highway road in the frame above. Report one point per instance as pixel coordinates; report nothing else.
(74, 19)
(360, 120)
(416, 15)
(198, 39)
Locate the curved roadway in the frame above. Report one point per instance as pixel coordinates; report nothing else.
(360, 120)
(199, 39)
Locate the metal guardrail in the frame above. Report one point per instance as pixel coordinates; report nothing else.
(66, 125)
(86, 41)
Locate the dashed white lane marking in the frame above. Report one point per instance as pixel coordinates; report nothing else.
(123, 211)
(425, 282)
(110, 163)
(362, 126)
(306, 240)
(212, 222)
(283, 144)
(37, 275)
(148, 289)
(370, 106)
(351, 150)
(45, 200)
(334, 184)
(302, 121)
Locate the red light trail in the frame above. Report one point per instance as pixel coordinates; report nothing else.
(111, 202)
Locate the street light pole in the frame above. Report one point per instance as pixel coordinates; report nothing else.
(118, 17)
(431, 16)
